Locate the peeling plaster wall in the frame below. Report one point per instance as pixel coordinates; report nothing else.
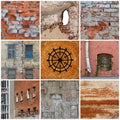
(51, 13)
(20, 63)
(59, 99)
(97, 47)
(100, 20)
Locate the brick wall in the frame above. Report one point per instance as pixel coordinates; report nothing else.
(20, 19)
(100, 20)
(26, 103)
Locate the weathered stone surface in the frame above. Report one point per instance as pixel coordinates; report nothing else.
(60, 99)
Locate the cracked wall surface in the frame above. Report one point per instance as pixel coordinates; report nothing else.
(20, 19)
(59, 99)
(51, 20)
(100, 20)
(20, 62)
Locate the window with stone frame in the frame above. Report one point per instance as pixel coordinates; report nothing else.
(11, 51)
(29, 51)
(104, 62)
(11, 73)
(29, 73)
(34, 91)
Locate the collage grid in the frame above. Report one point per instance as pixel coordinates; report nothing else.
(56, 70)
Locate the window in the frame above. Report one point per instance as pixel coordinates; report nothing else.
(17, 99)
(28, 94)
(29, 74)
(34, 91)
(28, 112)
(21, 113)
(104, 62)
(11, 73)
(65, 17)
(34, 111)
(11, 51)
(21, 97)
(29, 51)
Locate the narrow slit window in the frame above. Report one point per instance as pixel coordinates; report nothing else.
(65, 17)
(22, 113)
(17, 98)
(28, 94)
(21, 97)
(34, 91)
(29, 51)
(34, 111)
(28, 112)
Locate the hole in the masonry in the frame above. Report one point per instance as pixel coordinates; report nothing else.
(65, 17)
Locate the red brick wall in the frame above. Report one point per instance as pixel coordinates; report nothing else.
(25, 104)
(20, 14)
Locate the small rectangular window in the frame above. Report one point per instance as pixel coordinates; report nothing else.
(11, 73)
(29, 51)
(34, 91)
(28, 94)
(11, 51)
(28, 112)
(34, 111)
(29, 74)
(21, 113)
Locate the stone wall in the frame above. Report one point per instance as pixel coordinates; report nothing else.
(59, 99)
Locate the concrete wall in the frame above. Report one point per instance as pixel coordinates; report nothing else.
(59, 99)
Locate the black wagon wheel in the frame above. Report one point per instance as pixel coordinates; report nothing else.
(60, 59)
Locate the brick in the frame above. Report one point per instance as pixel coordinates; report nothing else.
(103, 5)
(110, 10)
(114, 5)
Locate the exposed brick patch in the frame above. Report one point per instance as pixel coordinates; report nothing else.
(100, 20)
(20, 19)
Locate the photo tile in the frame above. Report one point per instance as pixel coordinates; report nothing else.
(59, 60)
(20, 20)
(59, 99)
(100, 59)
(100, 20)
(20, 60)
(60, 20)
(99, 99)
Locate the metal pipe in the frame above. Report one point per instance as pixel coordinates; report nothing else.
(87, 56)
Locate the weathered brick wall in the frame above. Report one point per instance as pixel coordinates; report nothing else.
(100, 20)
(25, 104)
(20, 62)
(20, 19)
(59, 99)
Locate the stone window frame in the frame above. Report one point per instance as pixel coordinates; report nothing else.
(11, 51)
(31, 57)
(29, 73)
(8, 71)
